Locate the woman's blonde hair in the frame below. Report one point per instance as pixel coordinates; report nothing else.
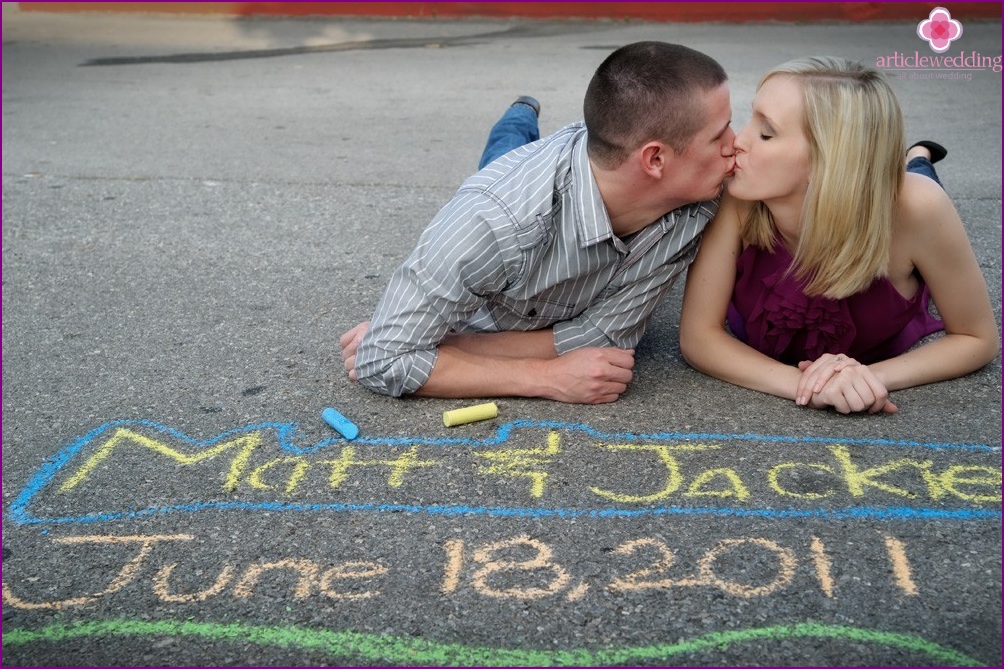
(857, 152)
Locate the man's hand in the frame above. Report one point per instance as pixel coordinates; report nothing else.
(589, 375)
(842, 383)
(350, 344)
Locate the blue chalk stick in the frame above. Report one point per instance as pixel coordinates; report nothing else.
(340, 423)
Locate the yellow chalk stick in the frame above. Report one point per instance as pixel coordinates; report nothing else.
(470, 414)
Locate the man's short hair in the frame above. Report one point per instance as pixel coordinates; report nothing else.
(647, 91)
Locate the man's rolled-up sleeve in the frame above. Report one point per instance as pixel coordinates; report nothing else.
(457, 261)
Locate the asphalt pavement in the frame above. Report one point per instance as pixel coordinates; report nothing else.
(195, 208)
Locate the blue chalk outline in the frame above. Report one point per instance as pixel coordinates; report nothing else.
(289, 434)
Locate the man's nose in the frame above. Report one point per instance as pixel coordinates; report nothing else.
(738, 143)
(728, 143)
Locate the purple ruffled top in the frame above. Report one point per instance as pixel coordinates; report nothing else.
(770, 312)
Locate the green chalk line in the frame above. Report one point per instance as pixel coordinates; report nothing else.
(375, 648)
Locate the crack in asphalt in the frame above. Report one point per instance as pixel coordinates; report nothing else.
(535, 30)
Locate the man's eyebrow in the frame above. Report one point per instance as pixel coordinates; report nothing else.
(722, 131)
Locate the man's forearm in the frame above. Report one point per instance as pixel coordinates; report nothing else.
(533, 344)
(583, 376)
(462, 373)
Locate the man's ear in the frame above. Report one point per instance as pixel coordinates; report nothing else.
(655, 158)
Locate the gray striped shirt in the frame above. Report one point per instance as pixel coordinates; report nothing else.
(526, 244)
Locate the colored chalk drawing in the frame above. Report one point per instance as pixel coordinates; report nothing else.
(379, 649)
(645, 563)
(262, 467)
(266, 468)
(487, 562)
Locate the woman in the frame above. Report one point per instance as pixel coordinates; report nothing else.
(825, 253)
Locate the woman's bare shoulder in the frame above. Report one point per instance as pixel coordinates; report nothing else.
(921, 202)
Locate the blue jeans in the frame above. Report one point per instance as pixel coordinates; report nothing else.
(923, 166)
(518, 126)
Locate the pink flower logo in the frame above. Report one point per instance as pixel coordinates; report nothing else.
(939, 30)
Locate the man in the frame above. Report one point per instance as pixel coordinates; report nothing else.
(540, 276)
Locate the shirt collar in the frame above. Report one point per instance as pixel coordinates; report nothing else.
(592, 222)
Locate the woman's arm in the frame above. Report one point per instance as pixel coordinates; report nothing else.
(937, 243)
(705, 343)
